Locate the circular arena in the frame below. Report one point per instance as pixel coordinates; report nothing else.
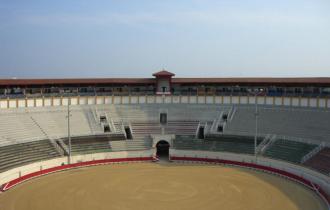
(162, 186)
(165, 143)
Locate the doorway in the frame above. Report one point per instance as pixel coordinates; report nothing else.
(163, 148)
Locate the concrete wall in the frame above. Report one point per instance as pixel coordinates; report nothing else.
(320, 179)
(21, 171)
(84, 100)
(298, 173)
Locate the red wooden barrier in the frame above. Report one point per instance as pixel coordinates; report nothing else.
(26, 177)
(260, 167)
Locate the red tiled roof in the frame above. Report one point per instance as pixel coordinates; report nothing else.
(141, 81)
(163, 73)
(77, 81)
(255, 80)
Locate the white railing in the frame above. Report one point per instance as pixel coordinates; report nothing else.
(263, 143)
(197, 130)
(313, 152)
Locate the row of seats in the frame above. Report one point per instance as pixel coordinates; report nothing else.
(93, 144)
(219, 143)
(21, 125)
(291, 151)
(27, 124)
(20, 154)
(141, 129)
(131, 145)
(310, 124)
(181, 127)
(320, 161)
(24, 126)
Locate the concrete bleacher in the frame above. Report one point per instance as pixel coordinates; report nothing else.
(86, 147)
(219, 143)
(281, 149)
(18, 128)
(12, 156)
(232, 143)
(28, 125)
(150, 112)
(309, 124)
(291, 151)
(181, 127)
(93, 144)
(22, 124)
(55, 123)
(145, 128)
(130, 145)
(320, 161)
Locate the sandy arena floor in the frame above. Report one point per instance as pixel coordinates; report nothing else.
(147, 186)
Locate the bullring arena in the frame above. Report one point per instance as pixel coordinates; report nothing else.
(165, 143)
(169, 186)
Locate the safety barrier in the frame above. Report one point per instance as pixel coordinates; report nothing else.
(26, 177)
(325, 197)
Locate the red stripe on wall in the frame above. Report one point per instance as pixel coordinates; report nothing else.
(259, 167)
(26, 177)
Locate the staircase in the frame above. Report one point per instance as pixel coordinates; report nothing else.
(63, 146)
(93, 123)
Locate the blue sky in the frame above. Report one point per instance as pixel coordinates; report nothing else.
(204, 38)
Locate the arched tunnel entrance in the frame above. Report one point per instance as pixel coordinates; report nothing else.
(163, 148)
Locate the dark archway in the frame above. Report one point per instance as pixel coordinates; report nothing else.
(163, 149)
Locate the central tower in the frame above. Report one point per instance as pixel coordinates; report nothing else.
(163, 80)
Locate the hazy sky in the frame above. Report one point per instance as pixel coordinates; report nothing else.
(206, 38)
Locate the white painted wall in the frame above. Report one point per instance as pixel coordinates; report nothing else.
(65, 101)
(218, 100)
(176, 99)
(48, 101)
(12, 103)
(21, 103)
(56, 101)
(167, 100)
(117, 100)
(235, 100)
(286, 101)
(244, 99)
(108, 100)
(134, 99)
(193, 99)
(209, 99)
(201, 99)
(142, 99)
(322, 103)
(320, 179)
(100, 100)
(151, 99)
(74, 101)
(30, 103)
(91, 100)
(83, 100)
(313, 102)
(159, 99)
(226, 99)
(278, 101)
(27, 169)
(304, 102)
(295, 101)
